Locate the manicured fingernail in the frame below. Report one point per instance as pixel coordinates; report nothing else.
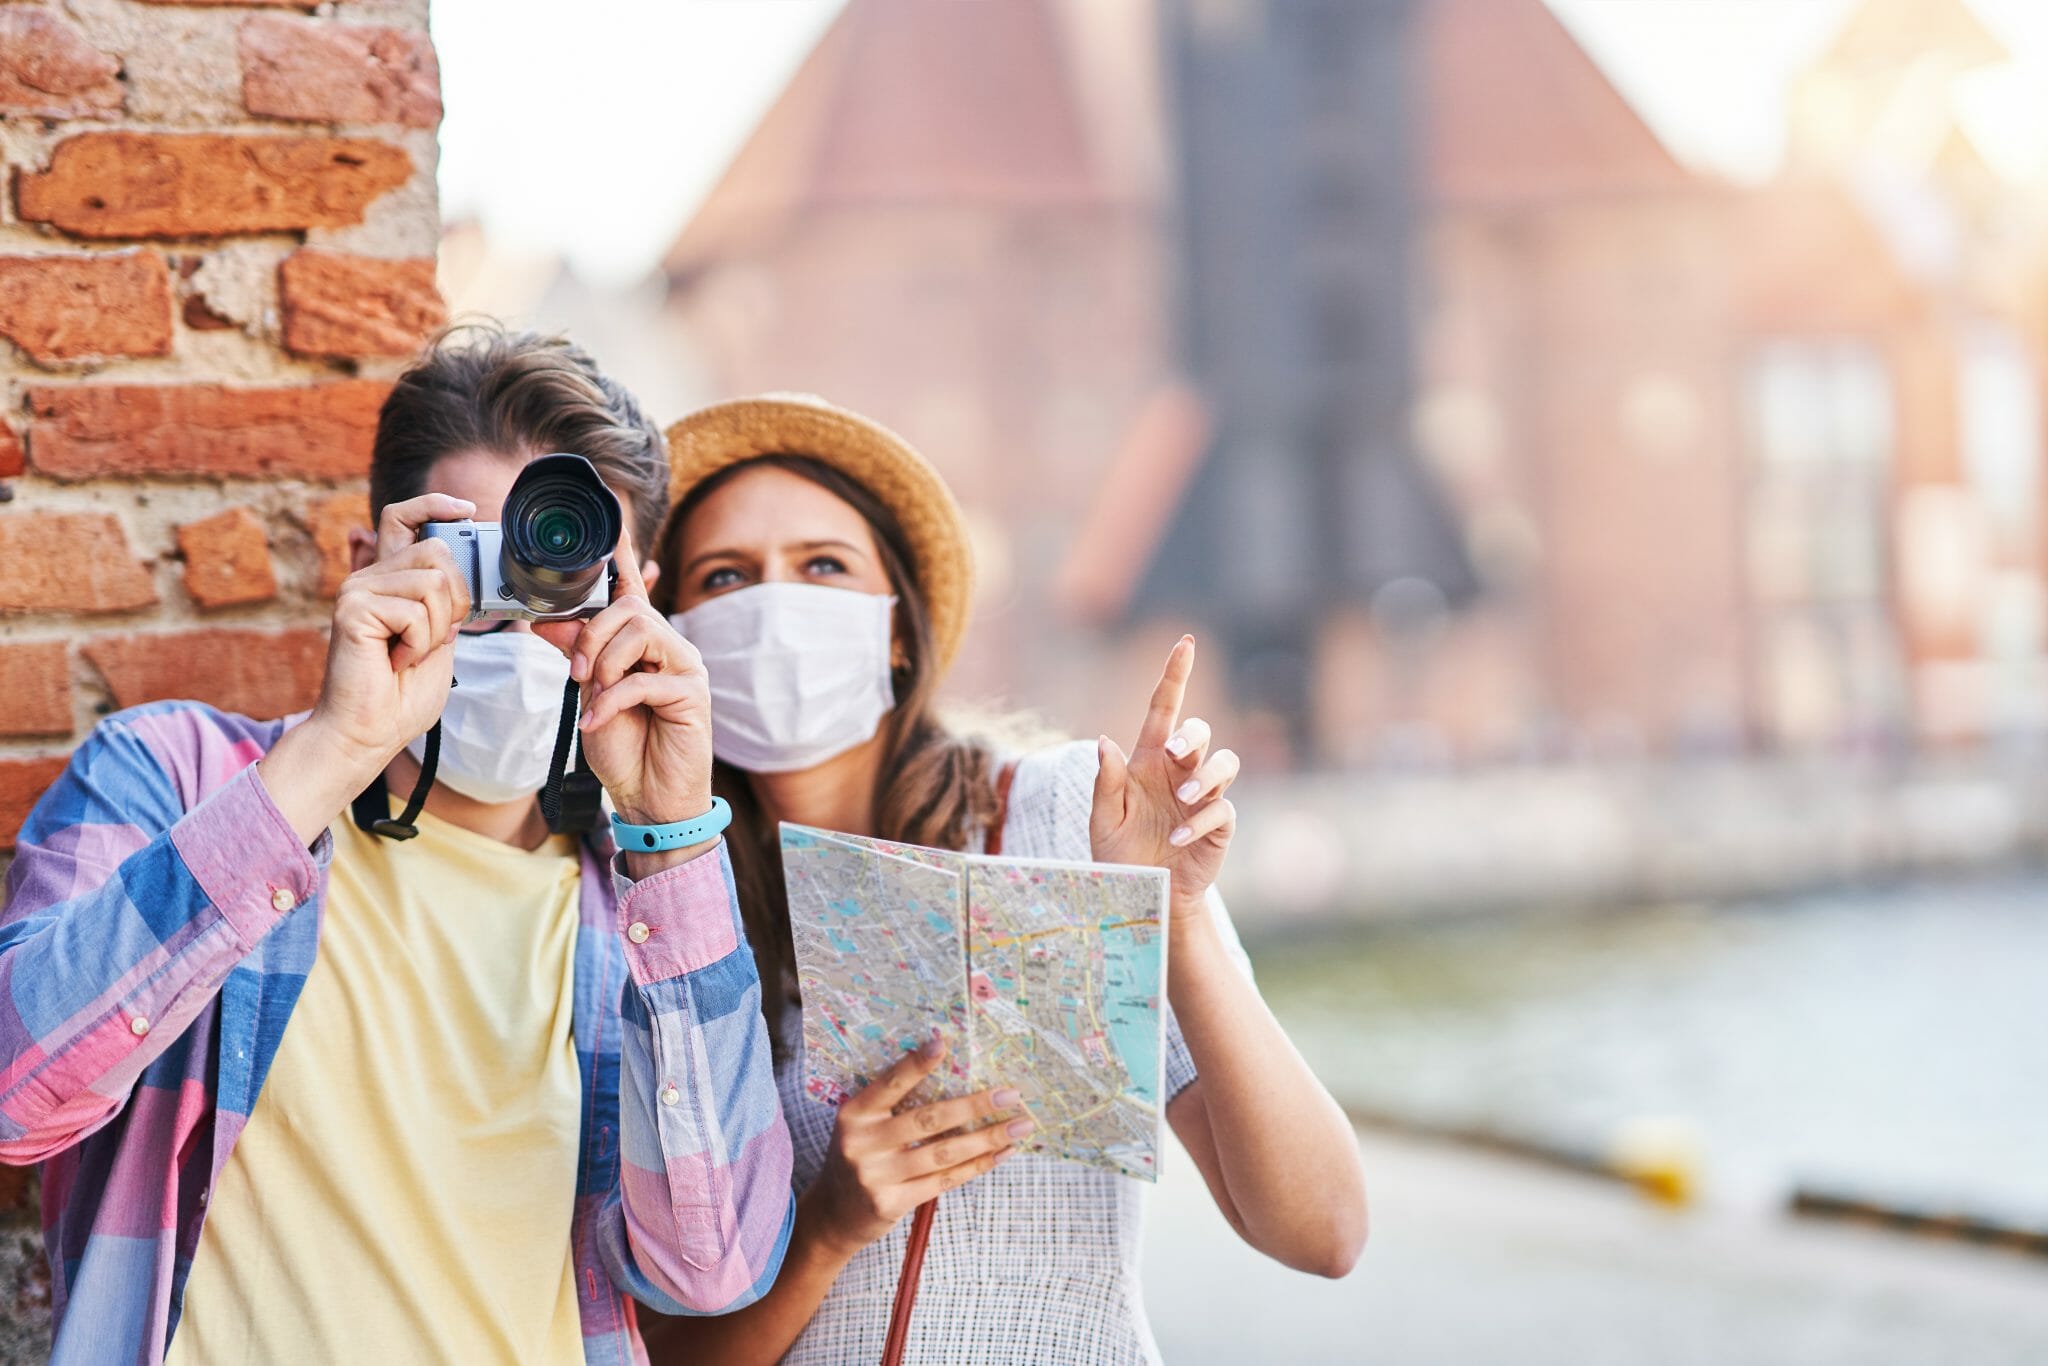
(1187, 790)
(1005, 1155)
(1007, 1097)
(1180, 837)
(578, 666)
(1018, 1128)
(1177, 747)
(931, 1048)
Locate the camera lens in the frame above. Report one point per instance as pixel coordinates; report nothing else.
(557, 532)
(560, 524)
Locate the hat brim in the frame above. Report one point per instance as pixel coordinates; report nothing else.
(726, 434)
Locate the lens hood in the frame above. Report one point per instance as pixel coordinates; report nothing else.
(560, 525)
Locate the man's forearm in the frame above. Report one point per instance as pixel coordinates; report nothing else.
(312, 777)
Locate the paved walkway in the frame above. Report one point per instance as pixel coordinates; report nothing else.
(1489, 1261)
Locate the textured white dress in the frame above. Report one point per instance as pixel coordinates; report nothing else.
(1036, 1261)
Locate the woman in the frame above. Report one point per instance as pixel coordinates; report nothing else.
(822, 568)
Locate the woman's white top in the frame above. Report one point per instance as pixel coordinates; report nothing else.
(1038, 1260)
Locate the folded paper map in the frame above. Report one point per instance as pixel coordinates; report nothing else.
(1041, 975)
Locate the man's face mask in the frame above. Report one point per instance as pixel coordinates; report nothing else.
(799, 672)
(498, 727)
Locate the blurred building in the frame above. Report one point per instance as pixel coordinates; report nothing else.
(1382, 341)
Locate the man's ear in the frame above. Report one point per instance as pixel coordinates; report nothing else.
(362, 548)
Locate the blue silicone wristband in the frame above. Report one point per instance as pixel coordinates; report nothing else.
(674, 835)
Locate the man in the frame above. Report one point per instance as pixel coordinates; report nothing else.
(303, 1092)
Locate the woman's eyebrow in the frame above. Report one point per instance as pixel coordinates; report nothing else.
(732, 553)
(709, 555)
(830, 543)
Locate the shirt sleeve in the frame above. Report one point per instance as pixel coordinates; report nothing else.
(1180, 1064)
(703, 1209)
(125, 912)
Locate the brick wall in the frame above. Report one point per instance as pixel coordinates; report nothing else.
(217, 229)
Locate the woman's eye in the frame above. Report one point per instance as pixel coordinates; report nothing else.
(823, 564)
(721, 578)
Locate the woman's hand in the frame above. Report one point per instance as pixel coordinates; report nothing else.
(1164, 806)
(646, 723)
(882, 1165)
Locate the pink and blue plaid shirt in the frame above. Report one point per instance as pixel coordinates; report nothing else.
(160, 920)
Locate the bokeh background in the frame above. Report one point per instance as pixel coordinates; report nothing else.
(1599, 445)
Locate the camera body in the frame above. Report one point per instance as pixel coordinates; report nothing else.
(479, 553)
(550, 557)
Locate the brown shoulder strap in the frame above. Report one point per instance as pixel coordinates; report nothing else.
(1004, 777)
(921, 1220)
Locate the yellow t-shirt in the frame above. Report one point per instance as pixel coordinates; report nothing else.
(406, 1184)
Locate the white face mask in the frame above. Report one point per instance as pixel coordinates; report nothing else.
(799, 672)
(498, 726)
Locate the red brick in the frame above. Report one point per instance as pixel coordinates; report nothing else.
(48, 68)
(256, 673)
(339, 73)
(338, 305)
(198, 184)
(22, 783)
(330, 520)
(320, 431)
(35, 680)
(227, 559)
(68, 307)
(69, 562)
(12, 459)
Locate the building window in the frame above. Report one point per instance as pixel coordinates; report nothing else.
(1820, 420)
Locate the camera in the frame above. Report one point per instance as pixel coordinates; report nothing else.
(550, 558)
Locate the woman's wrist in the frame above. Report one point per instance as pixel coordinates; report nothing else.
(1194, 948)
(820, 1236)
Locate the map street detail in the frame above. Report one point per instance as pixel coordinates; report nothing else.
(1041, 975)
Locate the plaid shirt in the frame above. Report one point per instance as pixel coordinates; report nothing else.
(161, 917)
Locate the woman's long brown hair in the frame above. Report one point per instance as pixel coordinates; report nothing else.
(933, 787)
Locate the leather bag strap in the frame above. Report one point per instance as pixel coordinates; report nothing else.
(921, 1220)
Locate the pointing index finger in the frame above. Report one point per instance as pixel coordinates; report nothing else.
(1163, 713)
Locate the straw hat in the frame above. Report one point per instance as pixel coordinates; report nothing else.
(724, 434)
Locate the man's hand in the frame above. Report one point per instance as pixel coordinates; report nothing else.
(1164, 806)
(646, 723)
(389, 664)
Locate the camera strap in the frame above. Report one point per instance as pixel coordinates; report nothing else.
(570, 798)
(372, 806)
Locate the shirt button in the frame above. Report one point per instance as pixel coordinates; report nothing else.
(669, 1095)
(638, 932)
(283, 900)
(138, 1026)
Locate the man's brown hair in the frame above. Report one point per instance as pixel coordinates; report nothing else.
(478, 386)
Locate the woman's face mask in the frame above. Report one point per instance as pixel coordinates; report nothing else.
(799, 672)
(498, 727)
